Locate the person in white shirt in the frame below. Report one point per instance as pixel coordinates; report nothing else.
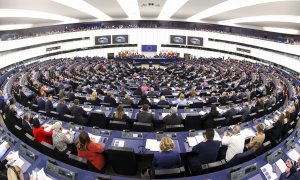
(235, 142)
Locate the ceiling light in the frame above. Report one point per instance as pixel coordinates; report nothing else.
(84, 7)
(131, 8)
(34, 14)
(14, 26)
(228, 6)
(268, 18)
(281, 30)
(170, 8)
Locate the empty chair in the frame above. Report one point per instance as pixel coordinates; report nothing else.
(77, 161)
(69, 118)
(118, 125)
(54, 114)
(126, 156)
(48, 149)
(235, 119)
(241, 158)
(212, 167)
(33, 143)
(174, 128)
(169, 173)
(98, 119)
(220, 121)
(35, 107)
(192, 121)
(140, 127)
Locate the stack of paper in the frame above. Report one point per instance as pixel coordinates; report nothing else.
(281, 165)
(293, 154)
(15, 157)
(42, 175)
(247, 132)
(152, 145)
(268, 172)
(97, 138)
(192, 141)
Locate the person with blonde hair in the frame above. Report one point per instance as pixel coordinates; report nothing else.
(182, 101)
(167, 158)
(94, 98)
(120, 114)
(257, 141)
(61, 140)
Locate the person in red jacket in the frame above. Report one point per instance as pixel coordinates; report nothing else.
(39, 132)
(87, 148)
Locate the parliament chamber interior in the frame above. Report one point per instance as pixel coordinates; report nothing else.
(149, 89)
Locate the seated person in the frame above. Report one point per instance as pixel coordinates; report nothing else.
(166, 158)
(10, 172)
(61, 93)
(163, 101)
(214, 113)
(144, 116)
(151, 93)
(144, 88)
(212, 99)
(39, 132)
(205, 152)
(62, 108)
(110, 99)
(257, 141)
(245, 111)
(41, 103)
(71, 96)
(94, 99)
(172, 118)
(230, 112)
(192, 93)
(233, 96)
(89, 149)
(144, 100)
(27, 123)
(235, 142)
(182, 101)
(166, 92)
(277, 127)
(223, 98)
(78, 113)
(292, 171)
(120, 114)
(49, 104)
(60, 139)
(127, 100)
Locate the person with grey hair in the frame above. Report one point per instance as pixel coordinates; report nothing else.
(235, 142)
(60, 139)
(163, 101)
(172, 118)
(127, 100)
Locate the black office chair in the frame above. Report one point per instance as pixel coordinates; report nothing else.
(220, 121)
(162, 106)
(54, 114)
(266, 146)
(61, 156)
(192, 121)
(33, 143)
(174, 128)
(35, 107)
(183, 106)
(212, 167)
(142, 127)
(126, 156)
(235, 119)
(251, 116)
(69, 118)
(18, 131)
(118, 125)
(241, 158)
(169, 173)
(48, 149)
(77, 161)
(98, 119)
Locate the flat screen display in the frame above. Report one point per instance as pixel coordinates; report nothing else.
(120, 39)
(99, 40)
(195, 41)
(174, 39)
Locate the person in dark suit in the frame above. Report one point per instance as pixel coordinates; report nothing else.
(205, 152)
(151, 93)
(214, 113)
(144, 116)
(49, 105)
(278, 127)
(27, 123)
(233, 97)
(110, 99)
(71, 96)
(166, 92)
(144, 100)
(229, 113)
(78, 113)
(166, 158)
(41, 103)
(62, 108)
(245, 111)
(212, 99)
(223, 99)
(127, 100)
(163, 101)
(292, 171)
(172, 118)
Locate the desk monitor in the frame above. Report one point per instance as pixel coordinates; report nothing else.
(241, 173)
(75, 127)
(272, 156)
(95, 130)
(65, 174)
(103, 177)
(290, 144)
(27, 154)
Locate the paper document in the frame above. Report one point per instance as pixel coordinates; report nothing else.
(155, 100)
(281, 165)
(152, 145)
(164, 114)
(97, 138)
(247, 132)
(267, 170)
(42, 175)
(293, 154)
(15, 157)
(199, 138)
(192, 141)
(119, 143)
(87, 109)
(202, 113)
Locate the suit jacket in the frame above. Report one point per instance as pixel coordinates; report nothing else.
(41, 104)
(62, 109)
(277, 129)
(234, 98)
(27, 127)
(93, 154)
(209, 123)
(166, 160)
(48, 106)
(231, 112)
(245, 112)
(163, 102)
(223, 100)
(212, 99)
(172, 120)
(71, 96)
(41, 135)
(203, 153)
(145, 117)
(110, 100)
(78, 113)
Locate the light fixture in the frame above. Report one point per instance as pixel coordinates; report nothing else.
(170, 8)
(131, 8)
(84, 7)
(282, 30)
(268, 18)
(14, 26)
(20, 13)
(228, 6)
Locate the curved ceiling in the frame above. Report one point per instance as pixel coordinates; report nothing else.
(255, 14)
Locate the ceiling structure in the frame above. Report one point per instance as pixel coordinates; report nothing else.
(257, 14)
